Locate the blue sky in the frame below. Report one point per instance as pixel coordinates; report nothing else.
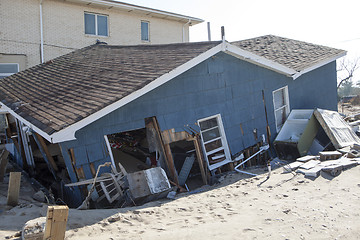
(332, 23)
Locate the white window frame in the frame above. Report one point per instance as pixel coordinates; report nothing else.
(222, 137)
(286, 106)
(148, 32)
(96, 24)
(8, 74)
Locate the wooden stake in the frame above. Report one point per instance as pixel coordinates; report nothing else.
(56, 220)
(200, 158)
(14, 188)
(3, 162)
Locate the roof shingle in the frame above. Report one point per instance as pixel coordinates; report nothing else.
(291, 53)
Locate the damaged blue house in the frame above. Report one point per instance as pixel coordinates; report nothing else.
(107, 103)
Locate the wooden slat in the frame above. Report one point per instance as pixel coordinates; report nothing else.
(3, 162)
(56, 220)
(14, 188)
(46, 150)
(200, 158)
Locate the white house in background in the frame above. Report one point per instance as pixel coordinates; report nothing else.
(35, 31)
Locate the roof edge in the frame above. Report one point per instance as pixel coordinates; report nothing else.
(320, 64)
(68, 133)
(131, 7)
(258, 60)
(26, 122)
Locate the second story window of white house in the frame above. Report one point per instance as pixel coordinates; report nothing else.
(7, 69)
(96, 24)
(145, 31)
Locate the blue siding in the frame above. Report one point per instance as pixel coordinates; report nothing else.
(222, 84)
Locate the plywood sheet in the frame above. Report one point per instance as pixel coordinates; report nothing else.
(339, 132)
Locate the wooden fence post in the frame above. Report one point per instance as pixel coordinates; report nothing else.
(56, 220)
(14, 188)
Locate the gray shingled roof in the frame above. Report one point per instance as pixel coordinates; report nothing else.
(69, 88)
(293, 54)
(61, 92)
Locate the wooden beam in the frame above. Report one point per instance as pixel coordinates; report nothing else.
(47, 160)
(21, 146)
(46, 150)
(170, 136)
(56, 220)
(3, 162)
(14, 188)
(200, 158)
(165, 148)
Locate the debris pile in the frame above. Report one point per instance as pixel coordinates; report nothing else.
(331, 162)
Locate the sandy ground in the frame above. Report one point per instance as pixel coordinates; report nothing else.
(286, 206)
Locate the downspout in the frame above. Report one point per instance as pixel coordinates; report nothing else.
(41, 34)
(183, 30)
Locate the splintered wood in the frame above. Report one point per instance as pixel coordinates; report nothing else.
(56, 220)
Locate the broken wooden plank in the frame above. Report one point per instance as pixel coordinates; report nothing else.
(14, 188)
(333, 170)
(310, 164)
(170, 136)
(292, 166)
(329, 155)
(45, 156)
(56, 220)
(313, 172)
(200, 159)
(47, 152)
(306, 158)
(3, 163)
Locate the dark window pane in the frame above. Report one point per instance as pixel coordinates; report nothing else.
(208, 124)
(144, 31)
(210, 134)
(213, 145)
(102, 25)
(8, 68)
(89, 24)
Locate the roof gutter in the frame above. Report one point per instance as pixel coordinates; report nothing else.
(183, 30)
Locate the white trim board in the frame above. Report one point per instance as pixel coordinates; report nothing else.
(68, 133)
(131, 7)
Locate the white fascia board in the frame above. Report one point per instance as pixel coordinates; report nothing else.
(320, 64)
(68, 133)
(27, 123)
(146, 10)
(258, 60)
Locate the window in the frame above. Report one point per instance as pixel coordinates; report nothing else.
(7, 69)
(214, 142)
(145, 31)
(96, 24)
(281, 106)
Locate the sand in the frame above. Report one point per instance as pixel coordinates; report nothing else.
(284, 207)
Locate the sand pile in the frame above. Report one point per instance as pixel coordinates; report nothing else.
(286, 206)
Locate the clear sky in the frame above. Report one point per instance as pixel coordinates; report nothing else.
(332, 23)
